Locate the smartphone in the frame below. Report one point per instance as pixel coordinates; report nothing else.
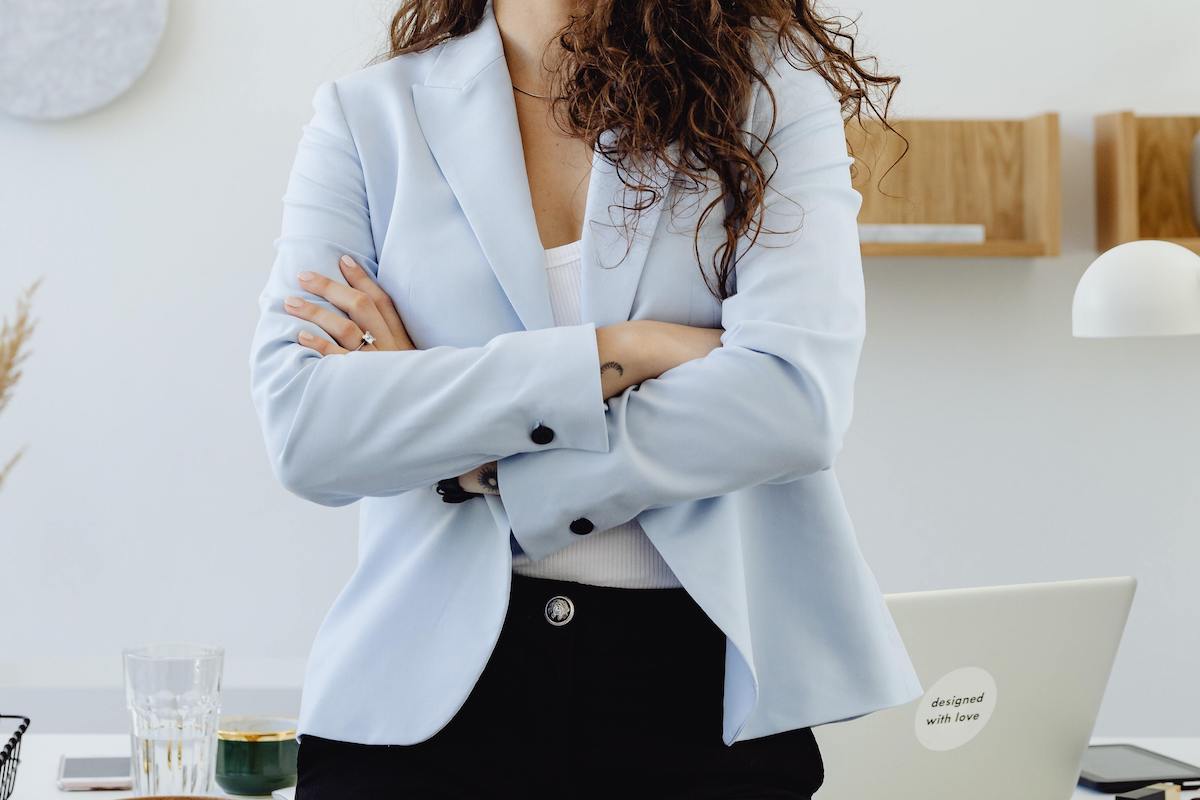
(1115, 768)
(77, 774)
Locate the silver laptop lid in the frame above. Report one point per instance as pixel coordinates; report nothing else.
(1013, 679)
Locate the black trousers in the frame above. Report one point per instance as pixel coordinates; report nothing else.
(621, 699)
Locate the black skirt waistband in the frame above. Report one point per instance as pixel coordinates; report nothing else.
(591, 605)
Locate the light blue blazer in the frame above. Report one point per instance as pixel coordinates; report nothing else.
(414, 166)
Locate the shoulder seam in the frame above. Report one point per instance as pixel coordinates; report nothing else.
(337, 96)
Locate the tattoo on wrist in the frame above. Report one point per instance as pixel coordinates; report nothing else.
(487, 476)
(612, 365)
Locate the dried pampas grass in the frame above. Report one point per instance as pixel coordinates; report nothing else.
(14, 341)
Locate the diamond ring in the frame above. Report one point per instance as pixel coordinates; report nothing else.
(367, 338)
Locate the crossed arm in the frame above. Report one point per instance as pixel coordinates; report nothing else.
(771, 404)
(628, 352)
(378, 422)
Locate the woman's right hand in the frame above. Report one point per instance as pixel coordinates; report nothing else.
(637, 350)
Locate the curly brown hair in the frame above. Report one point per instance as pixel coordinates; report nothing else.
(681, 71)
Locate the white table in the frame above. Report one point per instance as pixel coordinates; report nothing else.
(40, 753)
(38, 772)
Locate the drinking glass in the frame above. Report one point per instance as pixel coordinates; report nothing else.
(173, 692)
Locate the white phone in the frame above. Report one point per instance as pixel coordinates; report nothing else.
(77, 774)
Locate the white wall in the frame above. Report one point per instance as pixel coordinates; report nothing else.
(988, 445)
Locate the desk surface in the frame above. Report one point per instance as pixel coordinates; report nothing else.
(40, 753)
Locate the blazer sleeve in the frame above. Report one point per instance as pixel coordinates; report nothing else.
(342, 427)
(773, 403)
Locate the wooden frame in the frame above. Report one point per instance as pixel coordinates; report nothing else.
(1003, 173)
(1142, 179)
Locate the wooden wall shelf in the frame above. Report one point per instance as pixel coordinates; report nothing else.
(1142, 169)
(1003, 173)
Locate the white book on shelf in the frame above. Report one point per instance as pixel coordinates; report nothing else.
(921, 232)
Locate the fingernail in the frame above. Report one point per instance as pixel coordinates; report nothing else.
(305, 336)
(305, 276)
(348, 262)
(293, 302)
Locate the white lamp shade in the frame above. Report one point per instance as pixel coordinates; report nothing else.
(1142, 288)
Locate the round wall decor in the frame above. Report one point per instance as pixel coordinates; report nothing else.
(63, 58)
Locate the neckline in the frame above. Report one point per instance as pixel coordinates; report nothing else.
(563, 253)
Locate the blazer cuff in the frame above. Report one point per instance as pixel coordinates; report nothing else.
(570, 409)
(544, 515)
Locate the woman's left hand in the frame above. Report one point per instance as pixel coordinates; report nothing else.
(367, 307)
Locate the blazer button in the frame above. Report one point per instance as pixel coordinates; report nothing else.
(581, 526)
(542, 434)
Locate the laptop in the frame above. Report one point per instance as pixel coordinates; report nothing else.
(1013, 679)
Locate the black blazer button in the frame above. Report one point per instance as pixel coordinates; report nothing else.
(542, 434)
(581, 526)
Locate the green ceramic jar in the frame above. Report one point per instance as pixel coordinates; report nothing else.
(256, 755)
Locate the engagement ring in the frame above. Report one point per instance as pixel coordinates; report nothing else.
(367, 338)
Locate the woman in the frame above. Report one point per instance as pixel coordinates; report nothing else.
(570, 298)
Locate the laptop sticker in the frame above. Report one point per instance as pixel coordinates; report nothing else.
(956, 708)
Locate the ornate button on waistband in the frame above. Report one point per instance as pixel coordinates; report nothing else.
(559, 610)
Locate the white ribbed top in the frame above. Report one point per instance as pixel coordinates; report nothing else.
(620, 556)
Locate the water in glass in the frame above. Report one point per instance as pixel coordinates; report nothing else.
(173, 692)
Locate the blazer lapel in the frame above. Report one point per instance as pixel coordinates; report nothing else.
(467, 113)
(613, 258)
